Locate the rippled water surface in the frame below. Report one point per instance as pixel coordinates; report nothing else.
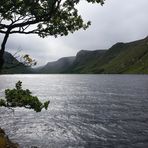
(86, 111)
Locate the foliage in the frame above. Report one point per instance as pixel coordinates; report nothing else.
(42, 17)
(28, 61)
(19, 97)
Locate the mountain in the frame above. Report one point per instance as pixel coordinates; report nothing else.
(121, 58)
(57, 66)
(85, 61)
(126, 58)
(13, 66)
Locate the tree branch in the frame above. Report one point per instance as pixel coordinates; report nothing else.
(43, 18)
(1, 31)
(2, 26)
(25, 32)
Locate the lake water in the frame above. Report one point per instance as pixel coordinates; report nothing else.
(86, 111)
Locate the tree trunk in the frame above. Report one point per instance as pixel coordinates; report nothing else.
(1, 60)
(3, 49)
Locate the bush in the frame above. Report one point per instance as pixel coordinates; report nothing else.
(19, 97)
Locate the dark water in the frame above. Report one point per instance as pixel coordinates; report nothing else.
(86, 111)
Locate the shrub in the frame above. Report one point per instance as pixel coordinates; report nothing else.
(19, 97)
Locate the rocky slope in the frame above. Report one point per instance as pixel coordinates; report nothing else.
(5, 142)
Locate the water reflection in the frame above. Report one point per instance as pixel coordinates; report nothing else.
(85, 111)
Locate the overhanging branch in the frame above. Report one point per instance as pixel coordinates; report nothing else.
(1, 31)
(43, 18)
(25, 32)
(2, 26)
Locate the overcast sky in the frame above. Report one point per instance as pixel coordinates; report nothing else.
(116, 21)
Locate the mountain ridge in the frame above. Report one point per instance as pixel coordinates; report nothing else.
(121, 58)
(13, 66)
(58, 66)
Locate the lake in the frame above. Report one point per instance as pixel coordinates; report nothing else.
(86, 111)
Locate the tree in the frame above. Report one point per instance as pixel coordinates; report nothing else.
(19, 97)
(41, 17)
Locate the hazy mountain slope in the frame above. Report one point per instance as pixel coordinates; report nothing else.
(85, 61)
(13, 66)
(57, 66)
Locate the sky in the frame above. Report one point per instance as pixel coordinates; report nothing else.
(115, 21)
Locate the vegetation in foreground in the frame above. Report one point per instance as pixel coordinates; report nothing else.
(19, 97)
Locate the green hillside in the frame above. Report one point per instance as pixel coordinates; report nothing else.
(132, 58)
(120, 58)
(13, 66)
(85, 61)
